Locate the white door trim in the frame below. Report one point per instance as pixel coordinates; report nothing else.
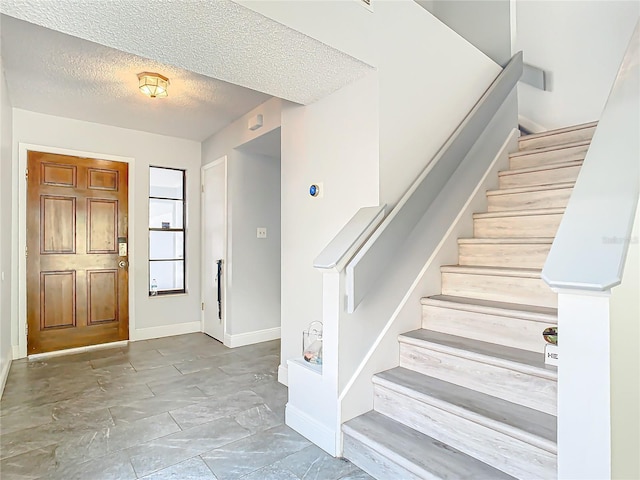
(207, 166)
(19, 261)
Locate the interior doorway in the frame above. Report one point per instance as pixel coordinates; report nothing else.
(76, 252)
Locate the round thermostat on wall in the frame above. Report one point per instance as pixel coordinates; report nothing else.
(314, 190)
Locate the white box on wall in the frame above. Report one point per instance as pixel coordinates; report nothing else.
(551, 354)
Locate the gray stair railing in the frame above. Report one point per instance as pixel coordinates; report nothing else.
(375, 246)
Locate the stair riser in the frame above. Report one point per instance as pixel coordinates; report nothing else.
(527, 291)
(499, 381)
(375, 464)
(511, 455)
(525, 226)
(558, 139)
(541, 177)
(508, 331)
(545, 158)
(523, 255)
(557, 198)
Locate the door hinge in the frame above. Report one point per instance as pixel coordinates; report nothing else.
(26, 329)
(26, 174)
(202, 188)
(202, 306)
(26, 252)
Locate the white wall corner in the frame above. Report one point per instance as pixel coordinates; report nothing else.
(283, 374)
(165, 331)
(311, 429)
(16, 352)
(249, 338)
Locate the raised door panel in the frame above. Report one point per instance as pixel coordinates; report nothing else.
(57, 299)
(102, 296)
(102, 218)
(58, 175)
(57, 224)
(102, 179)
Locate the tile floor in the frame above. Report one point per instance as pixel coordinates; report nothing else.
(183, 407)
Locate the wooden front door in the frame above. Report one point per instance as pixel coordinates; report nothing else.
(77, 283)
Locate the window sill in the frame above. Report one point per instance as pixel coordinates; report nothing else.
(170, 295)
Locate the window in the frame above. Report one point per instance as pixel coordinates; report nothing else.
(166, 231)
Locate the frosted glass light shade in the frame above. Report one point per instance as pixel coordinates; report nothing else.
(153, 85)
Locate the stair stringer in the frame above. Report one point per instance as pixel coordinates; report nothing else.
(356, 396)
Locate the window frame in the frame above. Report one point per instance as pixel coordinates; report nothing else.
(183, 230)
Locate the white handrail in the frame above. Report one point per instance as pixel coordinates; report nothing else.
(591, 245)
(341, 249)
(386, 241)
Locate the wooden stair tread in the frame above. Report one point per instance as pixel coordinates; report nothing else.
(507, 241)
(552, 148)
(556, 131)
(529, 312)
(530, 189)
(512, 358)
(500, 271)
(520, 213)
(420, 454)
(540, 168)
(526, 424)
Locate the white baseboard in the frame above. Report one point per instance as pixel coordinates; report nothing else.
(71, 351)
(311, 429)
(165, 331)
(283, 374)
(4, 373)
(249, 338)
(530, 125)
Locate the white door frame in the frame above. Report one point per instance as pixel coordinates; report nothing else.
(19, 212)
(225, 263)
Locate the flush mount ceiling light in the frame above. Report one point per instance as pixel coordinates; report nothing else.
(153, 85)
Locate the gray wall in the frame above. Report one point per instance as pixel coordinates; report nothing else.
(253, 264)
(580, 43)
(483, 23)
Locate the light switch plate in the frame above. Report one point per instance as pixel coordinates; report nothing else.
(261, 232)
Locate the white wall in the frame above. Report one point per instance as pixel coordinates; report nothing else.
(625, 365)
(253, 264)
(369, 141)
(5, 228)
(429, 77)
(237, 133)
(581, 44)
(334, 142)
(484, 23)
(155, 316)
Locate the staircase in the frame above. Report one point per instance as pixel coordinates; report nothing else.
(472, 397)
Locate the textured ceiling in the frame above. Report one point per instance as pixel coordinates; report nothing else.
(50, 72)
(219, 39)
